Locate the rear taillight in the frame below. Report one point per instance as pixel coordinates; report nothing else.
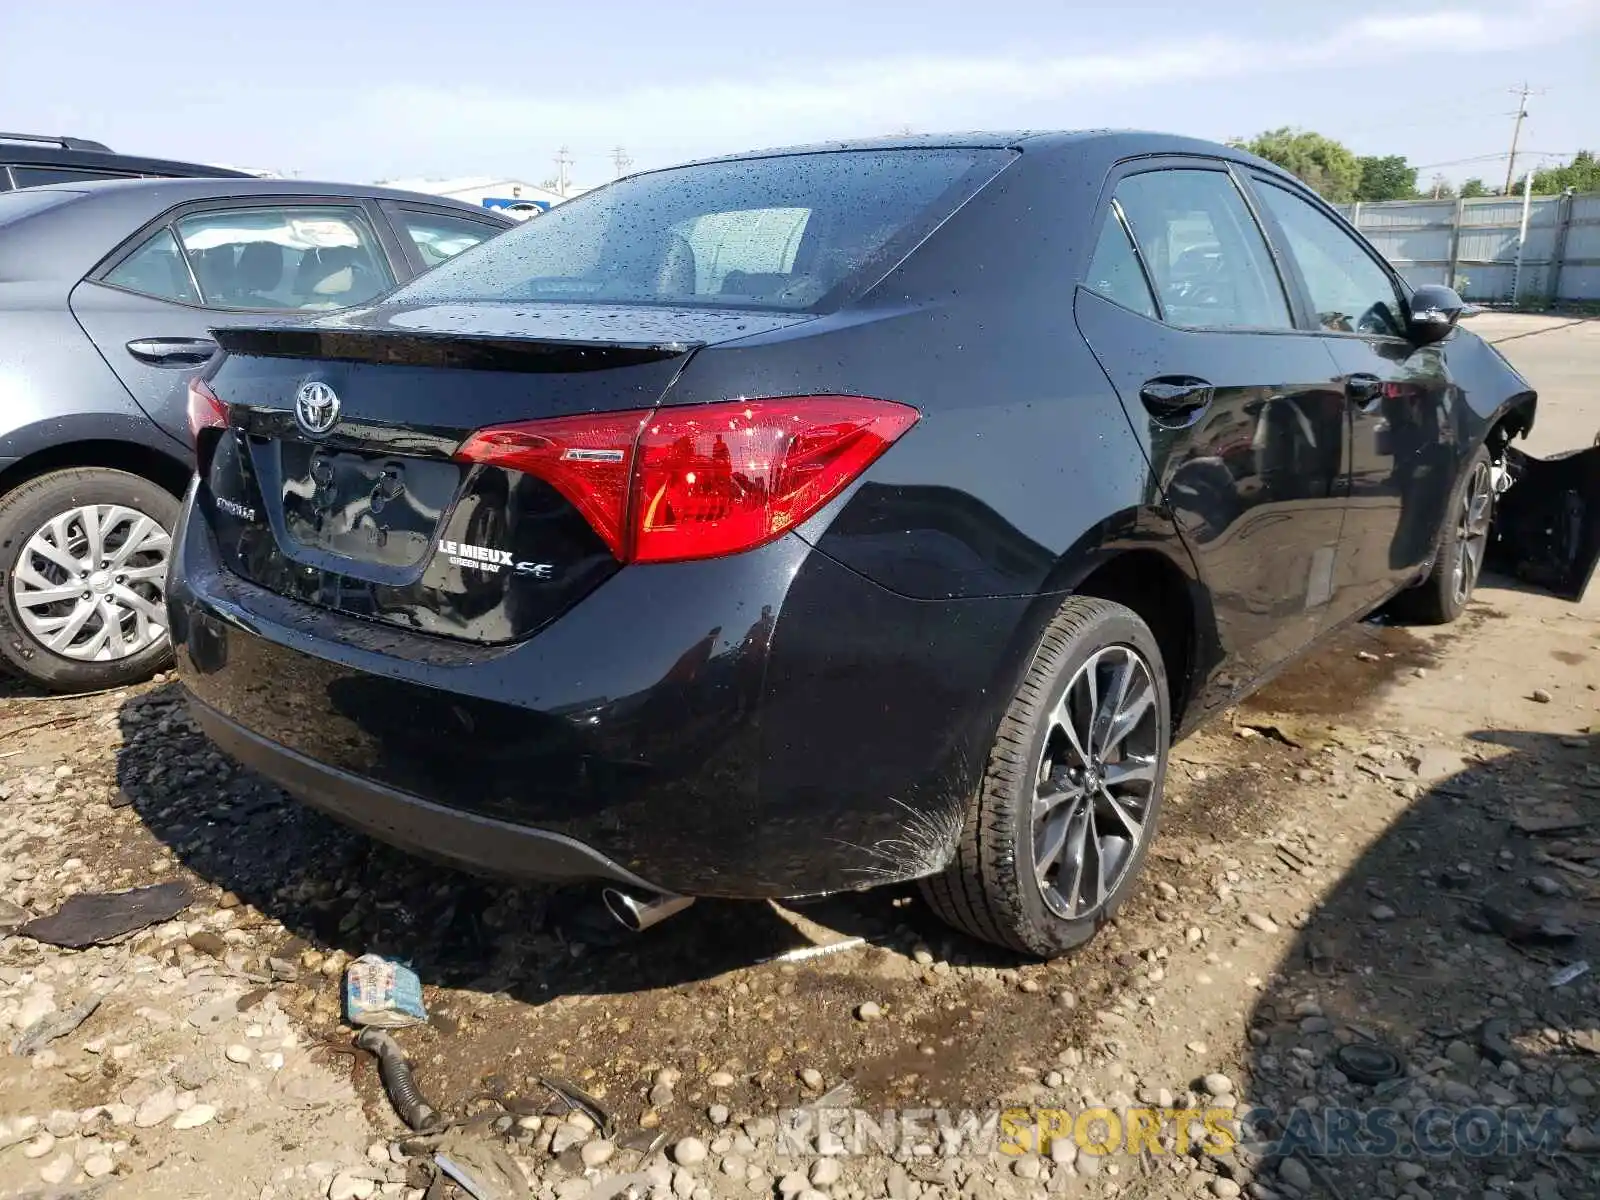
(206, 409)
(700, 481)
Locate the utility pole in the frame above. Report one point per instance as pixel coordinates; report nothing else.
(1522, 95)
(620, 158)
(1522, 234)
(563, 161)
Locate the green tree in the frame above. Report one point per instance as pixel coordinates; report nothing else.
(1322, 163)
(1387, 178)
(1582, 174)
(1474, 187)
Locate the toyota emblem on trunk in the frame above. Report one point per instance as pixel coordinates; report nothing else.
(316, 407)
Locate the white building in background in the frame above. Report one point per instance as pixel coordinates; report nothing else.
(514, 197)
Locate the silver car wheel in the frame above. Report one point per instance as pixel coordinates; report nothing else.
(1095, 781)
(90, 584)
(1472, 533)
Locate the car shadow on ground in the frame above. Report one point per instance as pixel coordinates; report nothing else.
(1444, 945)
(336, 889)
(523, 980)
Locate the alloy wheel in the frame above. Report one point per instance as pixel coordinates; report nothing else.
(1096, 778)
(1472, 533)
(90, 583)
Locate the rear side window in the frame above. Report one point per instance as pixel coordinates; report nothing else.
(1114, 272)
(1349, 291)
(1209, 261)
(156, 269)
(439, 236)
(308, 258)
(781, 232)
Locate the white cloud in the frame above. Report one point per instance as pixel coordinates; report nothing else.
(786, 103)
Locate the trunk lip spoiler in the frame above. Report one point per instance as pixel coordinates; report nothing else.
(464, 350)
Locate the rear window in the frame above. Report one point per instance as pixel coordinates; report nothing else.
(16, 205)
(782, 233)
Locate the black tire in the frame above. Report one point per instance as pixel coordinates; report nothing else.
(28, 509)
(1438, 599)
(990, 889)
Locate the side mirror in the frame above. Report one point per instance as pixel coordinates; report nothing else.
(1435, 309)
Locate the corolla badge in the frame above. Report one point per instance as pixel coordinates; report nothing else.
(316, 407)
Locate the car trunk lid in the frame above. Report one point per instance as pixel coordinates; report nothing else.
(373, 515)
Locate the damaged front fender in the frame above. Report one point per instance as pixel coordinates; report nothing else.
(1546, 528)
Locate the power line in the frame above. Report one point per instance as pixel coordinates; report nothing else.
(620, 158)
(1461, 162)
(1488, 158)
(1469, 118)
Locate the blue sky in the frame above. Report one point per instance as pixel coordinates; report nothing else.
(407, 87)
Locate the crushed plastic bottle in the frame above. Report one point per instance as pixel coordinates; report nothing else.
(383, 994)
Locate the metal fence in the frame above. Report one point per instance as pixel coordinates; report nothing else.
(1473, 245)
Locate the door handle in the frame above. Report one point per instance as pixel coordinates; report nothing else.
(1176, 399)
(173, 352)
(1363, 388)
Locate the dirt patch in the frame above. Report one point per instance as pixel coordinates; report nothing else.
(1346, 672)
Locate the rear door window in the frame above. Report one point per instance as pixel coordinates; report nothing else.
(297, 257)
(1114, 272)
(1210, 264)
(784, 232)
(156, 269)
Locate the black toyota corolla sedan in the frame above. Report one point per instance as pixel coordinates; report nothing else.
(816, 519)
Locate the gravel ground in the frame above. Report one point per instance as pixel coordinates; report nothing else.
(1320, 881)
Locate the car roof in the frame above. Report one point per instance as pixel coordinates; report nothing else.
(179, 191)
(1103, 144)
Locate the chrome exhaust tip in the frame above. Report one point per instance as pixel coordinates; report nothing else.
(637, 913)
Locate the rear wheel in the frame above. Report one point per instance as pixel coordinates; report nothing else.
(1068, 806)
(83, 576)
(1444, 594)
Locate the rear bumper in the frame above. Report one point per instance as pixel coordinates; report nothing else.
(410, 822)
(767, 725)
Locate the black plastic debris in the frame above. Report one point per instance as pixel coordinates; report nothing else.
(1367, 1063)
(398, 1083)
(1494, 1041)
(576, 1099)
(1546, 528)
(92, 918)
(644, 1141)
(1524, 930)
